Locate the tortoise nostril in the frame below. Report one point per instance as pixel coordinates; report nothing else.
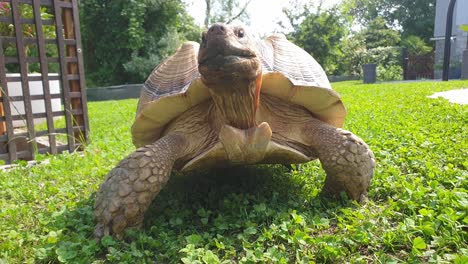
(217, 29)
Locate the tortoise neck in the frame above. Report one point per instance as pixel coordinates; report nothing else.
(238, 106)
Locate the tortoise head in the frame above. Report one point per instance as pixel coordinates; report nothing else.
(232, 71)
(227, 55)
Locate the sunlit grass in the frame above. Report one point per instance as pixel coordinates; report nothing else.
(417, 209)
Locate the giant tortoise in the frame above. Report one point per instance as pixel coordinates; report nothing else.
(232, 100)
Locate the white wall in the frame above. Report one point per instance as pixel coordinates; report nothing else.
(460, 16)
(38, 106)
(462, 12)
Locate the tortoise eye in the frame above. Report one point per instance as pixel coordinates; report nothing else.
(240, 33)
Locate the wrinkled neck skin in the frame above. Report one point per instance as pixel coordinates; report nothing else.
(236, 101)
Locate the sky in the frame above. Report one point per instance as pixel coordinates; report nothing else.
(264, 14)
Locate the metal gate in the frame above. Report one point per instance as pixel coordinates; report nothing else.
(43, 97)
(417, 67)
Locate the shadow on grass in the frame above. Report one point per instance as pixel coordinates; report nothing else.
(212, 205)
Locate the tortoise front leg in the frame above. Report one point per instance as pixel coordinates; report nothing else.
(348, 161)
(129, 188)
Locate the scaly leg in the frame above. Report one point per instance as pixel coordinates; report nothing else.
(129, 188)
(347, 160)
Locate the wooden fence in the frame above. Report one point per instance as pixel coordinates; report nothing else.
(43, 97)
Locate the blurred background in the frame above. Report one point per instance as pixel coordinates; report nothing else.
(124, 40)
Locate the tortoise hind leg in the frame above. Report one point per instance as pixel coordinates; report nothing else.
(129, 188)
(347, 160)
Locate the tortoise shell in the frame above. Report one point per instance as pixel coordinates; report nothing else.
(289, 73)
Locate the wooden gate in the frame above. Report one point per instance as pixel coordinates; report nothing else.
(417, 67)
(43, 97)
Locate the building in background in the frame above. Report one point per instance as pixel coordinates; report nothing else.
(459, 37)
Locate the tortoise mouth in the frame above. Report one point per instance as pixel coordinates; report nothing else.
(219, 66)
(219, 60)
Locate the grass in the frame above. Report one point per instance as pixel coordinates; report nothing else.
(417, 209)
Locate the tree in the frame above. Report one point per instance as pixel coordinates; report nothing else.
(124, 39)
(415, 17)
(225, 11)
(416, 46)
(378, 34)
(354, 50)
(318, 33)
(375, 44)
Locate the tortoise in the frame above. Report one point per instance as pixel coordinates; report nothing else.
(232, 100)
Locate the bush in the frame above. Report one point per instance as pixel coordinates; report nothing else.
(124, 40)
(416, 46)
(390, 73)
(353, 49)
(141, 66)
(320, 35)
(388, 60)
(375, 44)
(385, 56)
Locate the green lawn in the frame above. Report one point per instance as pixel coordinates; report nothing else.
(417, 209)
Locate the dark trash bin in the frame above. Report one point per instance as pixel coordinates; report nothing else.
(370, 73)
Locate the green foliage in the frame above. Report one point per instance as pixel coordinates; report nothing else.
(320, 34)
(375, 44)
(225, 11)
(383, 56)
(388, 59)
(324, 34)
(414, 17)
(328, 35)
(389, 73)
(416, 46)
(140, 66)
(416, 211)
(377, 34)
(353, 49)
(29, 31)
(124, 40)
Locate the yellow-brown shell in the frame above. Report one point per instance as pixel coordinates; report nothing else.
(289, 73)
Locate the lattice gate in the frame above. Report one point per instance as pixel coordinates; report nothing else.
(43, 97)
